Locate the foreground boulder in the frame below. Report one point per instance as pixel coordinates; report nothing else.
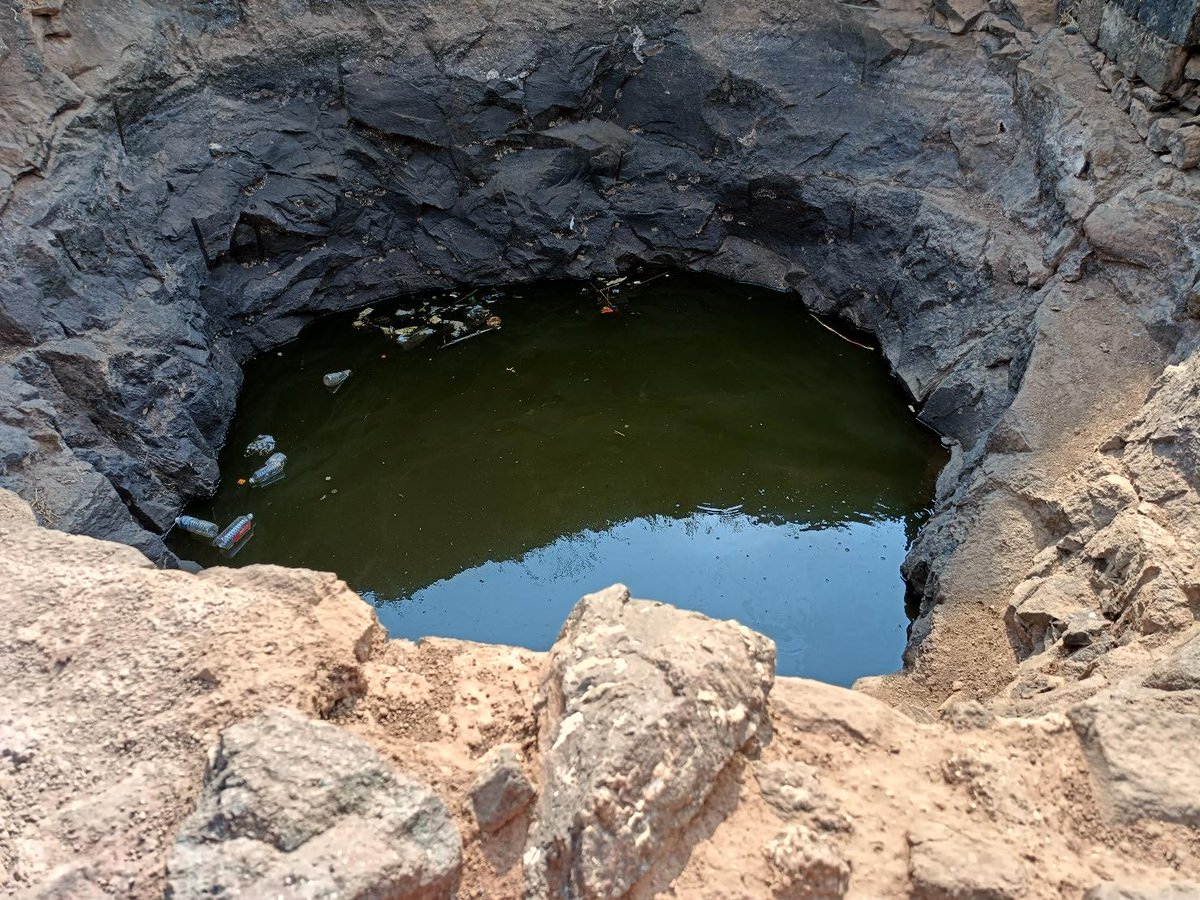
(645, 706)
(294, 807)
(1140, 745)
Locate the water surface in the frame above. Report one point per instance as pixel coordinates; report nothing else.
(710, 445)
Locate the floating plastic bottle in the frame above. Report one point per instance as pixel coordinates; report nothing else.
(334, 380)
(200, 527)
(235, 533)
(263, 445)
(271, 471)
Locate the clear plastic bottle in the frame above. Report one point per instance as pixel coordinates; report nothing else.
(270, 472)
(334, 380)
(235, 532)
(199, 527)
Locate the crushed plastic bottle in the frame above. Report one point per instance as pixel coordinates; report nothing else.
(411, 340)
(200, 527)
(334, 380)
(270, 471)
(235, 533)
(263, 445)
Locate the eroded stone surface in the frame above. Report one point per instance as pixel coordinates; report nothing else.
(1135, 743)
(948, 864)
(645, 706)
(302, 808)
(809, 865)
(502, 790)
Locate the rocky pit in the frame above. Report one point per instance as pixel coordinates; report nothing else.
(1004, 194)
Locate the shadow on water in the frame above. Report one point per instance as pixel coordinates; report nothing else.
(711, 446)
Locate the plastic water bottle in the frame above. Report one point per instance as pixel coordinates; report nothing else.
(334, 380)
(263, 445)
(235, 532)
(200, 527)
(270, 472)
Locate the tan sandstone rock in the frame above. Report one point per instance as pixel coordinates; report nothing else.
(646, 705)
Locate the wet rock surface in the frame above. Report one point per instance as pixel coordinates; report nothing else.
(296, 807)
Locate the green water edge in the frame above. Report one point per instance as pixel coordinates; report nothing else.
(710, 445)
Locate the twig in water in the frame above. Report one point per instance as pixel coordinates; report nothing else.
(467, 337)
(839, 334)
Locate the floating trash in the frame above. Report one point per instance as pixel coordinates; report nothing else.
(414, 338)
(263, 445)
(334, 380)
(271, 471)
(235, 535)
(493, 322)
(199, 527)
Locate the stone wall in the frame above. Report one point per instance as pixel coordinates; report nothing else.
(1151, 63)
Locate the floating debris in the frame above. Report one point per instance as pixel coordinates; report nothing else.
(839, 334)
(361, 321)
(235, 535)
(410, 339)
(263, 445)
(270, 472)
(492, 322)
(334, 380)
(200, 527)
(467, 337)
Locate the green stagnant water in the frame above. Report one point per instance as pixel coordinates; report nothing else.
(711, 445)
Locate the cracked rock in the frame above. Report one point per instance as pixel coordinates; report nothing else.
(645, 706)
(295, 807)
